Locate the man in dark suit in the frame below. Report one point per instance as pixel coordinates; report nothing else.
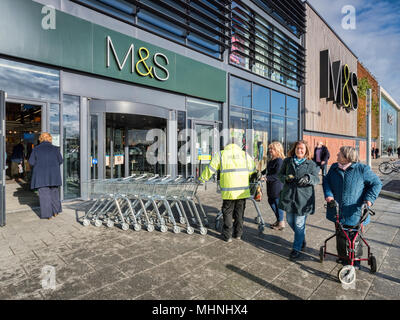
(321, 157)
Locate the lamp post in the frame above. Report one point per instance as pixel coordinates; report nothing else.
(368, 104)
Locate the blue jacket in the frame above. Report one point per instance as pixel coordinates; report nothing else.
(45, 160)
(350, 188)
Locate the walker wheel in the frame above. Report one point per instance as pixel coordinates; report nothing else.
(372, 263)
(97, 223)
(203, 231)
(347, 275)
(85, 222)
(321, 254)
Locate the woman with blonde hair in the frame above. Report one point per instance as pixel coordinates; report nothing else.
(46, 160)
(299, 175)
(274, 186)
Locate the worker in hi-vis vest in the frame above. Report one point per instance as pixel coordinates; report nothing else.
(235, 167)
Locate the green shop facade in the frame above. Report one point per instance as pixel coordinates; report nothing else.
(120, 100)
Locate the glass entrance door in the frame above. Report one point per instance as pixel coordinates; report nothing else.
(206, 143)
(2, 160)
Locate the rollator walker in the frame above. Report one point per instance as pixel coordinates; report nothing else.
(353, 235)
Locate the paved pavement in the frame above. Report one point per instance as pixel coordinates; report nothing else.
(109, 263)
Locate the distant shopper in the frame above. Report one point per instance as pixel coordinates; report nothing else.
(390, 151)
(351, 184)
(376, 153)
(274, 185)
(17, 160)
(373, 152)
(46, 160)
(299, 175)
(398, 152)
(321, 157)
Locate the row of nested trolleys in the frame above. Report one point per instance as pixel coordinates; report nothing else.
(144, 201)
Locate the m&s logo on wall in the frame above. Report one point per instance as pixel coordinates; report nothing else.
(144, 65)
(338, 83)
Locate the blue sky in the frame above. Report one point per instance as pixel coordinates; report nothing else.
(375, 39)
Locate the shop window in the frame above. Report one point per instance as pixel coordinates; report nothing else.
(261, 127)
(54, 123)
(239, 121)
(29, 81)
(292, 107)
(203, 110)
(278, 129)
(261, 98)
(71, 146)
(240, 92)
(292, 132)
(277, 103)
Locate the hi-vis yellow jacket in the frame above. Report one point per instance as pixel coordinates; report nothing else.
(235, 168)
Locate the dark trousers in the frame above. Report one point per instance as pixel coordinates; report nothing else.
(323, 167)
(233, 209)
(49, 201)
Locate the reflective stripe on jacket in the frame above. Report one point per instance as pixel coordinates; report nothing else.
(235, 168)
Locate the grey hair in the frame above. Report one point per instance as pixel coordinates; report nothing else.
(349, 153)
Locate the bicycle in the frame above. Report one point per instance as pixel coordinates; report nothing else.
(387, 167)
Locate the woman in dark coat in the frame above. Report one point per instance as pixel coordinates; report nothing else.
(299, 175)
(274, 185)
(46, 160)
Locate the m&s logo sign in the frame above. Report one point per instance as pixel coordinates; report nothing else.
(155, 68)
(338, 83)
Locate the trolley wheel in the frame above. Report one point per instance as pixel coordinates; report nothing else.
(260, 228)
(182, 221)
(176, 229)
(372, 263)
(137, 227)
(110, 224)
(163, 228)
(150, 228)
(124, 226)
(257, 220)
(206, 223)
(189, 230)
(321, 254)
(203, 231)
(218, 225)
(347, 275)
(98, 223)
(85, 222)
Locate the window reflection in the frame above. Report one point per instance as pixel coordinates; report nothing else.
(277, 103)
(292, 107)
(292, 132)
(261, 97)
(71, 143)
(54, 117)
(203, 110)
(240, 92)
(278, 129)
(29, 81)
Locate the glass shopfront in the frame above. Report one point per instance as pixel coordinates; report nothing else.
(389, 123)
(264, 114)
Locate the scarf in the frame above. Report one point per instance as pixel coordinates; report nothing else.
(344, 166)
(297, 161)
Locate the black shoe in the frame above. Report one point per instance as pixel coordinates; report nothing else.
(294, 255)
(303, 245)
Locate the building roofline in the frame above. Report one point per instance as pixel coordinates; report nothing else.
(388, 96)
(327, 24)
(371, 74)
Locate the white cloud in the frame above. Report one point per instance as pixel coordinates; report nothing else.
(376, 39)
